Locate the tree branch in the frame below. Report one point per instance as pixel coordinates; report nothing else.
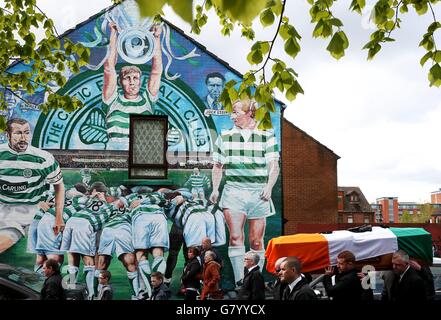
(397, 8)
(24, 100)
(434, 20)
(33, 81)
(10, 12)
(55, 29)
(273, 41)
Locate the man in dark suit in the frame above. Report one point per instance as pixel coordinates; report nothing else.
(253, 286)
(52, 288)
(347, 285)
(278, 285)
(407, 285)
(298, 288)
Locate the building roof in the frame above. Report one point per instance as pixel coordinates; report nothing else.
(361, 206)
(304, 133)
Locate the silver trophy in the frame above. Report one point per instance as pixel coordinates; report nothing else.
(135, 40)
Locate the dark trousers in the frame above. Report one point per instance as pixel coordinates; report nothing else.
(190, 295)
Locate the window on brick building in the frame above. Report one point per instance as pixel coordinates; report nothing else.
(353, 198)
(350, 218)
(148, 147)
(367, 219)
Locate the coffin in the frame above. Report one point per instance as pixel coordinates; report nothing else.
(373, 245)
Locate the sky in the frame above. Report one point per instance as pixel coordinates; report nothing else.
(380, 116)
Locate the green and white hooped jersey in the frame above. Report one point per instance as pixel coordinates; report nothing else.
(97, 212)
(119, 110)
(179, 215)
(24, 175)
(40, 213)
(150, 203)
(198, 181)
(245, 155)
(71, 206)
(119, 217)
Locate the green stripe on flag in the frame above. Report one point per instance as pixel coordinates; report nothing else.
(417, 242)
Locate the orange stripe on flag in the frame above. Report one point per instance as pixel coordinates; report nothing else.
(310, 248)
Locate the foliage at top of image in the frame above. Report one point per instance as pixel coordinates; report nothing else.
(45, 62)
(271, 72)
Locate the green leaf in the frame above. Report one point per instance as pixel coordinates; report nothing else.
(327, 29)
(426, 57)
(421, 8)
(435, 75)
(387, 39)
(427, 43)
(150, 8)
(249, 78)
(267, 17)
(277, 7)
(321, 15)
(2, 123)
(265, 124)
(336, 22)
(437, 56)
(242, 11)
(403, 9)
(183, 8)
(255, 57)
(208, 5)
(338, 44)
(373, 51)
(284, 31)
(318, 30)
(271, 106)
(292, 47)
(94, 129)
(230, 84)
(260, 113)
(389, 25)
(434, 26)
(390, 13)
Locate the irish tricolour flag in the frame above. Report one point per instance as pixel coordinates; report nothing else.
(317, 251)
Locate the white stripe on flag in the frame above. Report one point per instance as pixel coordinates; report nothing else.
(364, 245)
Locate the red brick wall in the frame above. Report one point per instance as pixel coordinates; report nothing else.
(357, 217)
(396, 220)
(341, 197)
(309, 180)
(435, 197)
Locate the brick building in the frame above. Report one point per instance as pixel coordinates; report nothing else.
(389, 209)
(353, 206)
(309, 176)
(435, 200)
(435, 196)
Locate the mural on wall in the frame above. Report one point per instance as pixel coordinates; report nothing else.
(224, 186)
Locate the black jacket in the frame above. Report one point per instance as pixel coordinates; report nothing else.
(410, 288)
(52, 288)
(105, 293)
(347, 286)
(278, 289)
(192, 274)
(161, 293)
(301, 291)
(253, 287)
